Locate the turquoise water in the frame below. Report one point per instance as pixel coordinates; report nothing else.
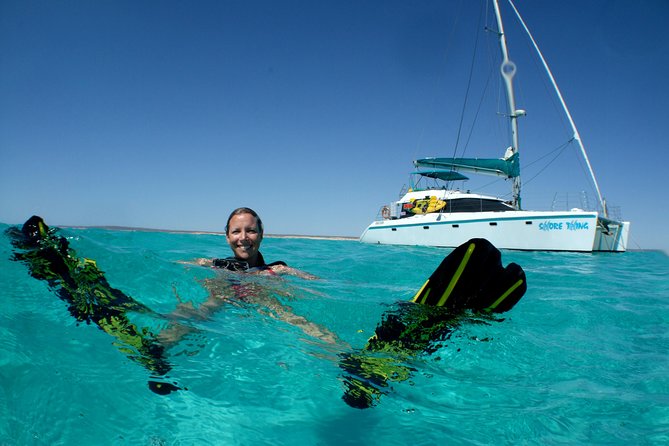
(582, 359)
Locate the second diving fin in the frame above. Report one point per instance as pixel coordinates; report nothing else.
(469, 278)
(472, 277)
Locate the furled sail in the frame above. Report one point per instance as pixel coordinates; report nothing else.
(501, 167)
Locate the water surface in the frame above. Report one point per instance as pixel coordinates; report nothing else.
(582, 359)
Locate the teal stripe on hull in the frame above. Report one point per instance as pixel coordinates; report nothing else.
(483, 220)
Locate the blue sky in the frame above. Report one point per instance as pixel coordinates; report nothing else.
(168, 114)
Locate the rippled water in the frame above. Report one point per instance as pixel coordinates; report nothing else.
(582, 359)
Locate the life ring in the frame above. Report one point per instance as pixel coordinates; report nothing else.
(385, 212)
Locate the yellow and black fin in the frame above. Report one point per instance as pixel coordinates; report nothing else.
(458, 280)
(90, 298)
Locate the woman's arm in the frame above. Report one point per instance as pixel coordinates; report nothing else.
(200, 261)
(287, 270)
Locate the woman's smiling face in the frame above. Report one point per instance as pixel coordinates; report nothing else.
(244, 237)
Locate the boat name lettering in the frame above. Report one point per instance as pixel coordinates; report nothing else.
(559, 226)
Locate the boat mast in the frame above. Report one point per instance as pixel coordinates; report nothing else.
(577, 136)
(508, 70)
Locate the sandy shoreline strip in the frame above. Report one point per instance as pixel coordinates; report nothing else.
(185, 231)
(314, 237)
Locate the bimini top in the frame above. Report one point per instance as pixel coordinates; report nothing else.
(441, 174)
(503, 167)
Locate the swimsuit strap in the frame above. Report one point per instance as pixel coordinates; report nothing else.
(231, 264)
(235, 264)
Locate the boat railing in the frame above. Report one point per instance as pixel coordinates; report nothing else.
(403, 191)
(563, 201)
(585, 202)
(615, 213)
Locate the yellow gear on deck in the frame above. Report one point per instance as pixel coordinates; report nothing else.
(427, 205)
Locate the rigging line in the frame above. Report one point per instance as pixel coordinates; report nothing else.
(583, 166)
(478, 110)
(560, 148)
(469, 84)
(559, 151)
(440, 78)
(577, 136)
(545, 83)
(493, 182)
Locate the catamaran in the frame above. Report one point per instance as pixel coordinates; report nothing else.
(445, 216)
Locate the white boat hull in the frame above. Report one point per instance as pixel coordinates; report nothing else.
(580, 231)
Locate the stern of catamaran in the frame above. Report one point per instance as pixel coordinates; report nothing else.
(611, 235)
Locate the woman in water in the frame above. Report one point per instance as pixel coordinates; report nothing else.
(91, 299)
(244, 234)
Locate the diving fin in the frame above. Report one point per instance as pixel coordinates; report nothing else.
(502, 290)
(472, 277)
(90, 298)
(469, 278)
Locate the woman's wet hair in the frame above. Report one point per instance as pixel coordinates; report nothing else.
(244, 210)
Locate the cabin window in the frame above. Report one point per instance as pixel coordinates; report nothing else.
(493, 223)
(528, 222)
(456, 226)
(477, 205)
(393, 229)
(426, 227)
